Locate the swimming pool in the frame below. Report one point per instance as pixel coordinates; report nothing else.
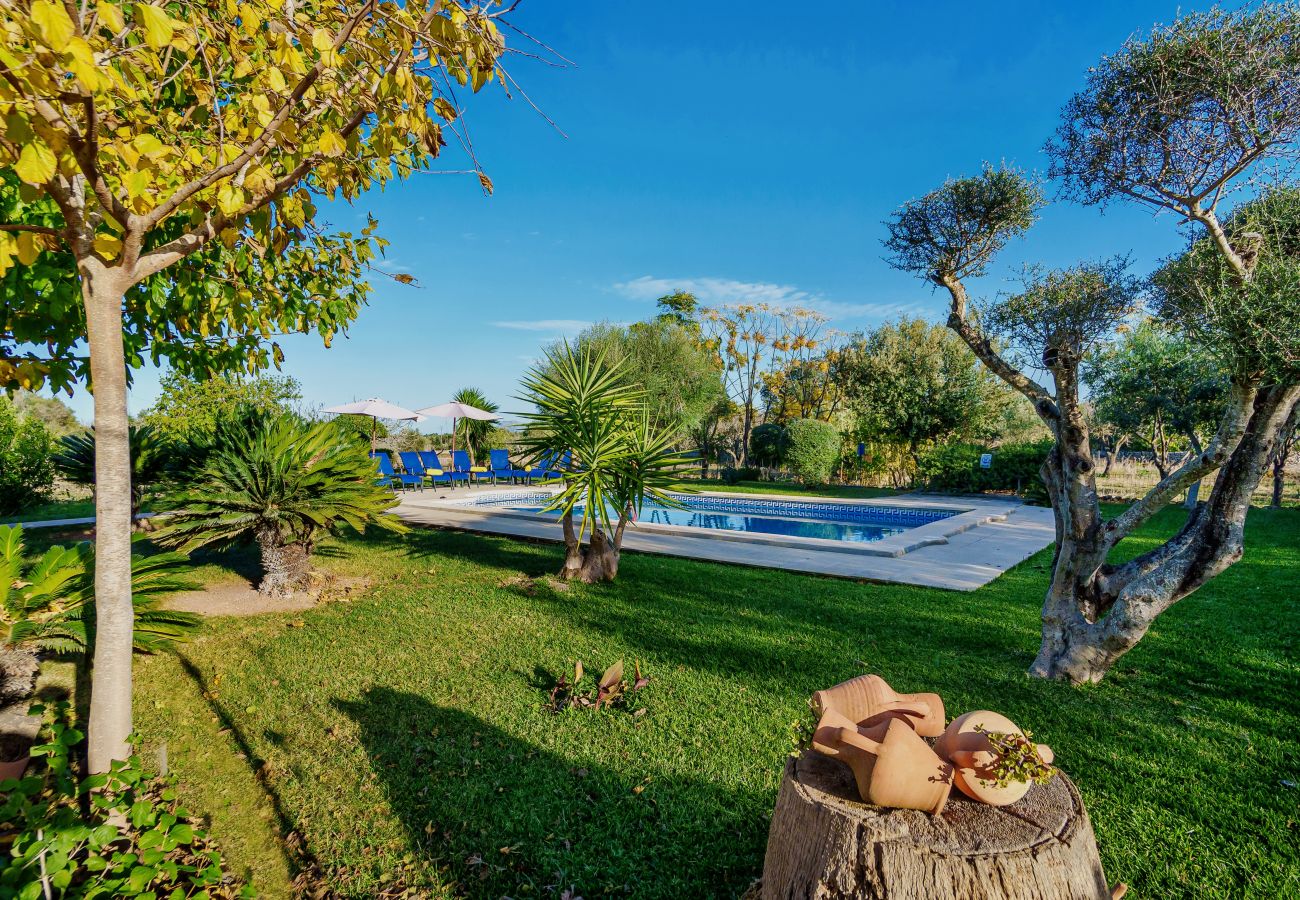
(846, 522)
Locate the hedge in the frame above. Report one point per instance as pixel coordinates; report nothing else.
(955, 468)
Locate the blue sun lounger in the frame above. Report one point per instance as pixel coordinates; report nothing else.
(412, 463)
(546, 470)
(431, 461)
(501, 467)
(390, 478)
(460, 461)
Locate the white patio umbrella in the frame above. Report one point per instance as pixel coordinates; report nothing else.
(377, 409)
(456, 410)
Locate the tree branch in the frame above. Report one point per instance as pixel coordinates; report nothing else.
(982, 347)
(1232, 426)
(34, 229)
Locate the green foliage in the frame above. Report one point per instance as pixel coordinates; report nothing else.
(475, 433)
(1156, 385)
(587, 407)
(1251, 328)
(192, 410)
(56, 414)
(152, 459)
(912, 384)
(814, 450)
(768, 444)
(666, 360)
(1017, 759)
(46, 603)
(957, 229)
(680, 308)
(286, 481)
(737, 474)
(611, 690)
(26, 474)
(117, 835)
(955, 468)
(1178, 112)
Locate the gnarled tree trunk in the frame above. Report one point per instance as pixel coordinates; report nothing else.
(1096, 612)
(110, 701)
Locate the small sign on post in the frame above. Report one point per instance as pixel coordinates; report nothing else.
(986, 460)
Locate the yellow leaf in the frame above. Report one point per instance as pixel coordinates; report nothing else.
(331, 143)
(110, 16)
(52, 23)
(108, 245)
(7, 249)
(276, 80)
(36, 163)
(158, 26)
(444, 109)
(321, 40)
(136, 183)
(82, 63)
(28, 249)
(147, 145)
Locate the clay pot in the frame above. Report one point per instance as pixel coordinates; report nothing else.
(868, 701)
(13, 768)
(891, 764)
(972, 755)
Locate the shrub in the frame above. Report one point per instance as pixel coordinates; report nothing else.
(956, 468)
(768, 444)
(814, 450)
(151, 458)
(116, 835)
(26, 473)
(282, 484)
(735, 475)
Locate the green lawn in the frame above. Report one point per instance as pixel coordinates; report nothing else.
(401, 739)
(55, 509)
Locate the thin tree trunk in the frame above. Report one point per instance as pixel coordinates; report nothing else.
(1279, 481)
(571, 571)
(110, 702)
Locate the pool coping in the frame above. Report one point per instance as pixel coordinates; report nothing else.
(965, 516)
(963, 552)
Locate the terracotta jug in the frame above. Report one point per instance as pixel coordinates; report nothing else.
(972, 756)
(868, 700)
(891, 764)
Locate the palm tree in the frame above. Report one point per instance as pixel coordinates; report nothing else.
(45, 606)
(151, 459)
(283, 484)
(475, 432)
(619, 457)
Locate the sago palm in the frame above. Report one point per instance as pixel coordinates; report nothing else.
(45, 605)
(151, 459)
(618, 456)
(282, 484)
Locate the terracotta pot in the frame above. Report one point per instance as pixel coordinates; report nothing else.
(868, 700)
(891, 763)
(972, 756)
(14, 768)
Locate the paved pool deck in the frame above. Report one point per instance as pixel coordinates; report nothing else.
(989, 536)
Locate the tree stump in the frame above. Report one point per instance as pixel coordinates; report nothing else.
(826, 844)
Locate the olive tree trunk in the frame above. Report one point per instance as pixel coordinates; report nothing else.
(1094, 611)
(110, 700)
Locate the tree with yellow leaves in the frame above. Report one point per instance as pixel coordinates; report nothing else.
(140, 136)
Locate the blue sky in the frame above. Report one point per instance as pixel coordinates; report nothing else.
(742, 151)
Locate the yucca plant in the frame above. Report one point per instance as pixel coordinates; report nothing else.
(151, 459)
(45, 606)
(282, 483)
(587, 409)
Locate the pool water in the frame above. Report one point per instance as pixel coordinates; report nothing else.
(825, 521)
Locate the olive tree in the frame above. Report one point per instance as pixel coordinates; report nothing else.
(1175, 120)
(161, 171)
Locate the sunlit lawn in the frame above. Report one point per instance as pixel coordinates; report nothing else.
(402, 736)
